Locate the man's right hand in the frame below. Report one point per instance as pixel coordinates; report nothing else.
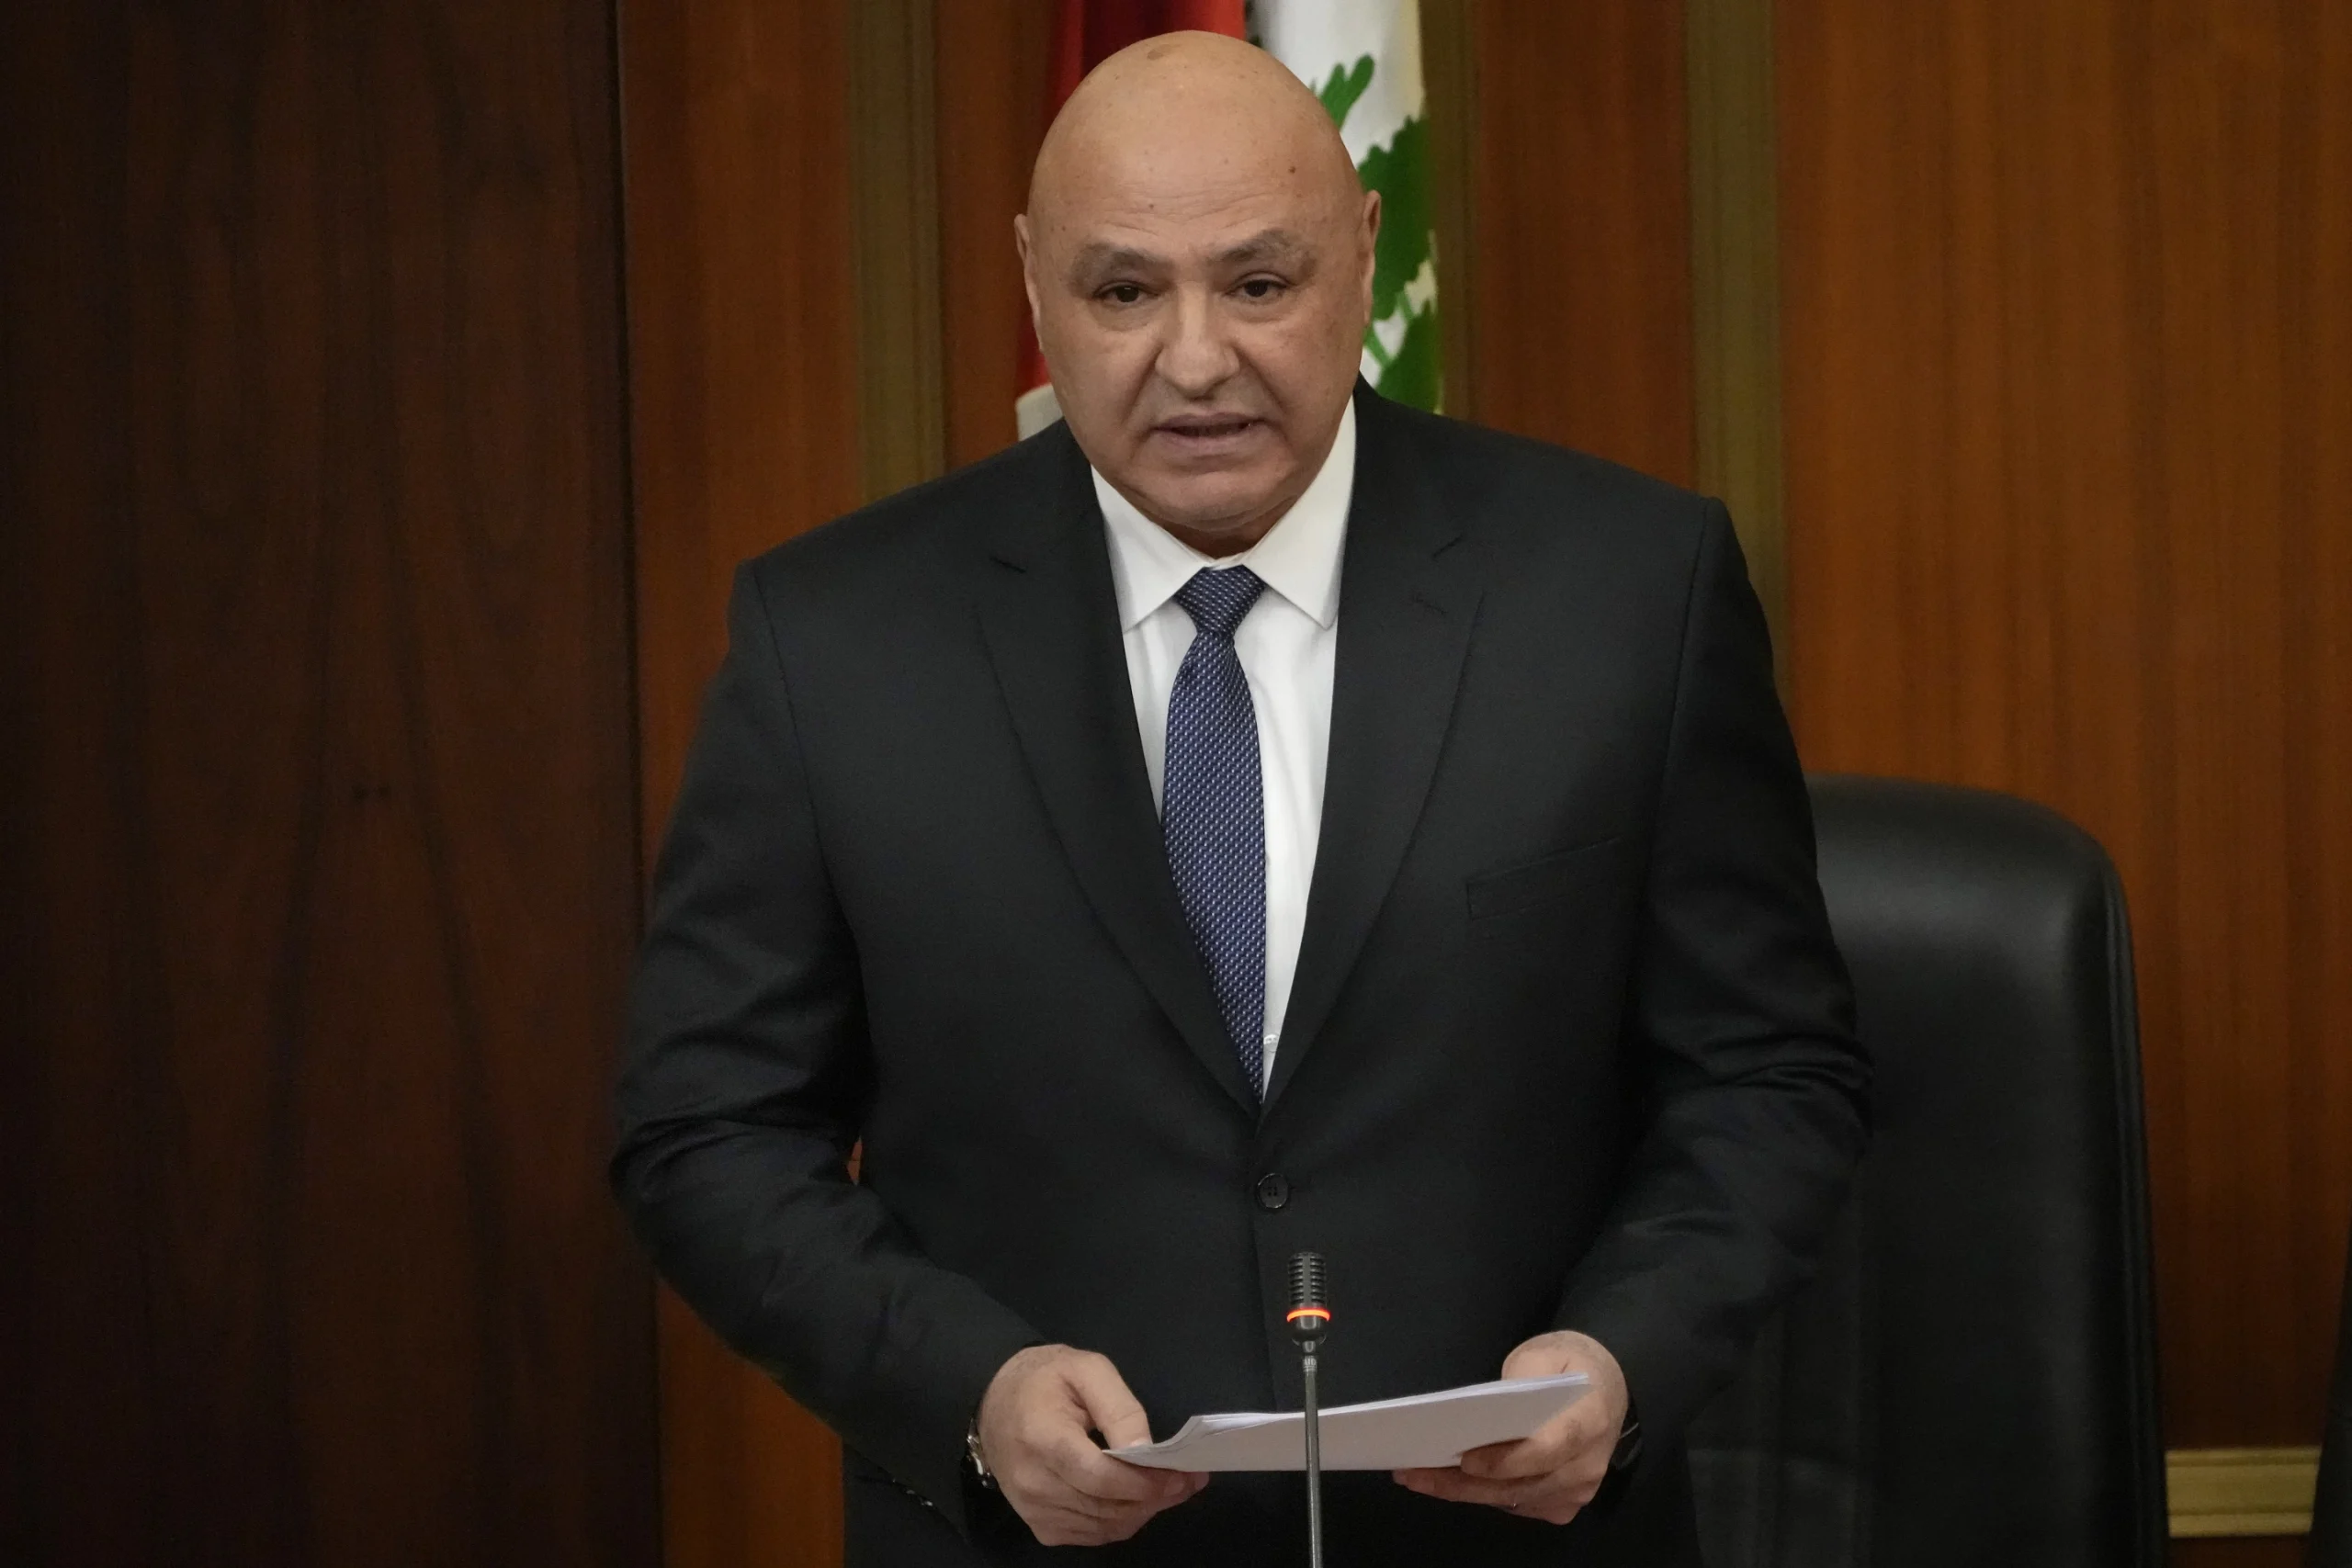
(1037, 1425)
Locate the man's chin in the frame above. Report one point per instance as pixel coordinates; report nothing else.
(1211, 508)
(1232, 488)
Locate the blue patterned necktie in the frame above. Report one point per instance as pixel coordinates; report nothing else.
(1213, 808)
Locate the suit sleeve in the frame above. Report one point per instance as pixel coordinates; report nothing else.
(746, 1082)
(1741, 1027)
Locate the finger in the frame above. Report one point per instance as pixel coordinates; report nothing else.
(1050, 1500)
(1550, 1509)
(1087, 1471)
(1111, 1407)
(1076, 1519)
(1456, 1486)
(1563, 1440)
(1511, 1460)
(1520, 1501)
(1069, 1526)
(1051, 1470)
(1066, 1471)
(1538, 1358)
(1175, 1486)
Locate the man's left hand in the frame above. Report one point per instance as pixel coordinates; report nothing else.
(1556, 1472)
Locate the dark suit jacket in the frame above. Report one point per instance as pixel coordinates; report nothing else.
(1569, 1044)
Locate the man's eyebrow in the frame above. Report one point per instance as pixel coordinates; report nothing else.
(1270, 245)
(1100, 256)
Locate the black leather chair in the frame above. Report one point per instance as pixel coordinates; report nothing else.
(2331, 1542)
(1971, 1380)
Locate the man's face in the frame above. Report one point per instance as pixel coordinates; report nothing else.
(1202, 305)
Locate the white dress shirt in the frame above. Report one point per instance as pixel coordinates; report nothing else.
(1285, 644)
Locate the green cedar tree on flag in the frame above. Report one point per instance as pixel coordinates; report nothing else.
(1363, 59)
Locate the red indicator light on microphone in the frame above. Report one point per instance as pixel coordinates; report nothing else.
(1296, 1313)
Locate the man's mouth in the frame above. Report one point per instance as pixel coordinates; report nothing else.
(1209, 431)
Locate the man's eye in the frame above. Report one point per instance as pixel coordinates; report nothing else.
(1121, 293)
(1262, 287)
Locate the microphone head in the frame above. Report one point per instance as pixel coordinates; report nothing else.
(1310, 1307)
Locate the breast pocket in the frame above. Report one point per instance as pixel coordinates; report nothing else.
(1536, 884)
(1543, 965)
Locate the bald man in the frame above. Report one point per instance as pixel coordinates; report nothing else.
(1247, 816)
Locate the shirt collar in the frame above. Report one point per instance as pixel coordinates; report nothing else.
(1298, 558)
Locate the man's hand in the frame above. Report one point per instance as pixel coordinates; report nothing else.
(1035, 1425)
(1555, 1472)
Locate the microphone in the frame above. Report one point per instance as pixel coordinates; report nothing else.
(1309, 1319)
(1310, 1313)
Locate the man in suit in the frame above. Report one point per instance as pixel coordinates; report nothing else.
(1248, 816)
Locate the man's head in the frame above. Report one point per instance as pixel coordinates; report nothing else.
(1198, 254)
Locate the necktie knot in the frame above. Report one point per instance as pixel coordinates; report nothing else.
(1217, 597)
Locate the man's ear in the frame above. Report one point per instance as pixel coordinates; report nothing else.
(1028, 264)
(1371, 246)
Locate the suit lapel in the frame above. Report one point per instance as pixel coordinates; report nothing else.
(1408, 597)
(1051, 622)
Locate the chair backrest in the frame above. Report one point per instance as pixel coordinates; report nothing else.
(1971, 1380)
(2331, 1542)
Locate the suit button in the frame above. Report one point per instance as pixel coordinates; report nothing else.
(1273, 1190)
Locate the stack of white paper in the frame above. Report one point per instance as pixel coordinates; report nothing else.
(1426, 1429)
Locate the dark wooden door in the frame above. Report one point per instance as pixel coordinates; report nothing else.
(317, 815)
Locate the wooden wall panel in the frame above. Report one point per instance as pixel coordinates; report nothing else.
(1581, 220)
(743, 384)
(2068, 351)
(992, 79)
(317, 835)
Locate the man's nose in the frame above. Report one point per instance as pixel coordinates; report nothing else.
(1197, 354)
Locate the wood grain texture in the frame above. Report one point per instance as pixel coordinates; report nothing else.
(894, 214)
(1736, 286)
(743, 391)
(1582, 230)
(2068, 353)
(318, 829)
(991, 78)
(743, 324)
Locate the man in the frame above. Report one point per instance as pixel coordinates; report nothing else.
(1250, 817)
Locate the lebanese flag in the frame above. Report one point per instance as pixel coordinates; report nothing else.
(1086, 33)
(1362, 57)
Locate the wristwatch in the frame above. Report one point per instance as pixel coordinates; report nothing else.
(979, 1460)
(1628, 1451)
(1621, 1460)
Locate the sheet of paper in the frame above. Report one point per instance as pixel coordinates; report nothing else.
(1387, 1434)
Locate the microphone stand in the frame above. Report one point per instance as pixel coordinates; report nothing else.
(1314, 1464)
(1309, 1317)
